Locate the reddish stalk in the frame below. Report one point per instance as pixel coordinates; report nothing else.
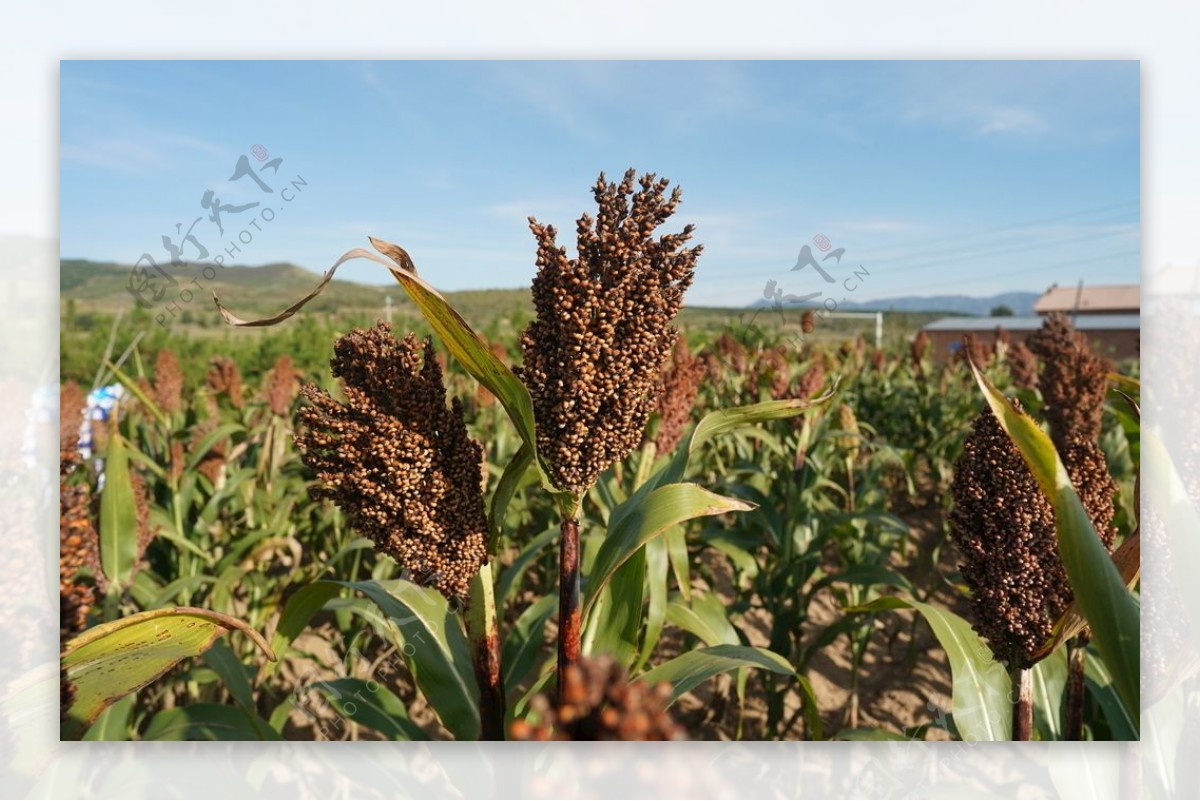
(1022, 688)
(568, 597)
(1073, 728)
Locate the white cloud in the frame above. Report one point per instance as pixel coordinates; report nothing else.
(1009, 120)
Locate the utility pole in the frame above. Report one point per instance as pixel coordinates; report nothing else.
(387, 308)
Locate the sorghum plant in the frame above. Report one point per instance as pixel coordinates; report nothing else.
(594, 354)
(399, 461)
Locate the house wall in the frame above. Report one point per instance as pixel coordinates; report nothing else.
(1116, 344)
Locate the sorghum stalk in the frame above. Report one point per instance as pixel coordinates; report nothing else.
(569, 621)
(483, 633)
(1022, 698)
(1073, 725)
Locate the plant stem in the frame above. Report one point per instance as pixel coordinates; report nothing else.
(484, 636)
(1022, 687)
(568, 596)
(1073, 725)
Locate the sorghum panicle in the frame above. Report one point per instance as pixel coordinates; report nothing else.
(396, 459)
(603, 327)
(281, 386)
(811, 382)
(920, 347)
(224, 377)
(1003, 526)
(731, 352)
(168, 382)
(599, 703)
(79, 543)
(1073, 381)
(71, 403)
(974, 350)
(770, 368)
(680, 385)
(1022, 365)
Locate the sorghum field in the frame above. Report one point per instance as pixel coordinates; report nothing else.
(593, 515)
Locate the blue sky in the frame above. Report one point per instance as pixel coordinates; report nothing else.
(936, 177)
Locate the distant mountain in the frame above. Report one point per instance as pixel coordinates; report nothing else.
(1021, 304)
(104, 286)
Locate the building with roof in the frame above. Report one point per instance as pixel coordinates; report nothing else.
(1088, 300)
(1117, 336)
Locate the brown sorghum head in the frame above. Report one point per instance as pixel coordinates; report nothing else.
(680, 385)
(79, 543)
(974, 350)
(71, 403)
(225, 377)
(732, 352)
(168, 381)
(812, 381)
(145, 532)
(281, 386)
(603, 327)
(397, 460)
(78, 550)
(920, 347)
(1003, 525)
(597, 702)
(1073, 381)
(770, 368)
(1022, 365)
(808, 321)
(878, 360)
(1089, 474)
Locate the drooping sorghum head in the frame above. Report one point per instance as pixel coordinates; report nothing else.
(398, 460)
(593, 355)
(1003, 526)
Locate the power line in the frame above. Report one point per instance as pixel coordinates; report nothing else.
(1038, 269)
(1026, 224)
(973, 250)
